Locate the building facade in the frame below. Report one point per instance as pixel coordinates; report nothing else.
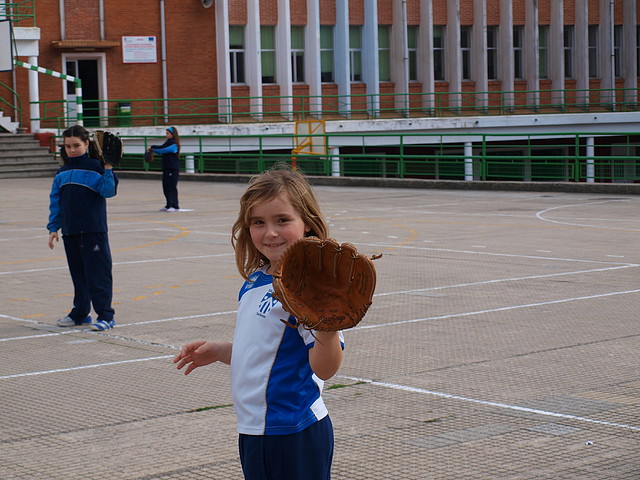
(287, 59)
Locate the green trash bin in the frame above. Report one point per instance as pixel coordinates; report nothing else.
(123, 112)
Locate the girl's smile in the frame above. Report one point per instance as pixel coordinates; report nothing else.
(274, 225)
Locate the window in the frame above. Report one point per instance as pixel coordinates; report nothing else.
(355, 52)
(492, 52)
(543, 51)
(569, 36)
(617, 50)
(268, 53)
(384, 53)
(236, 53)
(297, 54)
(412, 44)
(465, 47)
(326, 53)
(438, 52)
(518, 35)
(593, 51)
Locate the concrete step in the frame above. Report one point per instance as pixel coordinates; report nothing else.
(21, 155)
(47, 160)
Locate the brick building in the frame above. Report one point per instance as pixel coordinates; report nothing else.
(452, 75)
(335, 57)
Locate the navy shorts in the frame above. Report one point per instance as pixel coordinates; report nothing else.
(305, 455)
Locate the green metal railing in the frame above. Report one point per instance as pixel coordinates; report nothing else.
(212, 110)
(8, 108)
(21, 13)
(562, 157)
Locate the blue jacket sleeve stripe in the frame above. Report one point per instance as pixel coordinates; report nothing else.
(170, 149)
(103, 184)
(54, 207)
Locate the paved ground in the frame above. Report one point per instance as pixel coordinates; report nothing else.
(503, 341)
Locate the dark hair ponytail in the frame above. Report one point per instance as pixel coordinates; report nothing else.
(176, 138)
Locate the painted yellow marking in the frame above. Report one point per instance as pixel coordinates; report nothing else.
(183, 232)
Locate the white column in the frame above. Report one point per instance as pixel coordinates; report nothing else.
(34, 96)
(505, 53)
(605, 61)
(189, 164)
(312, 57)
(253, 58)
(400, 56)
(590, 160)
(531, 52)
(629, 50)
(425, 56)
(581, 52)
(468, 161)
(334, 154)
(453, 57)
(224, 65)
(556, 51)
(479, 53)
(283, 58)
(341, 57)
(371, 65)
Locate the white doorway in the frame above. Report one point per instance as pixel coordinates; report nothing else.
(91, 69)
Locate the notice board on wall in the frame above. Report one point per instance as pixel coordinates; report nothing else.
(139, 50)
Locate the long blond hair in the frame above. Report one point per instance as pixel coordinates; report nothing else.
(263, 188)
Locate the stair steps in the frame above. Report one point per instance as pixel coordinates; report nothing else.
(22, 156)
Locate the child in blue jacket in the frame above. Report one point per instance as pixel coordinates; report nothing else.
(78, 206)
(170, 151)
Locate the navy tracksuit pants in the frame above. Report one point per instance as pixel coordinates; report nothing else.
(90, 265)
(170, 187)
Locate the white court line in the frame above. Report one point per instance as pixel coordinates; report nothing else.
(475, 252)
(83, 367)
(132, 262)
(517, 408)
(75, 330)
(501, 280)
(490, 310)
(540, 216)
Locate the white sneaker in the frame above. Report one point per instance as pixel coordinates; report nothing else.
(173, 209)
(70, 322)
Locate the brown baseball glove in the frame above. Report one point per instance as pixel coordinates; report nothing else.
(325, 285)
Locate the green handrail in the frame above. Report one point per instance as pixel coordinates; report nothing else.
(21, 13)
(543, 157)
(17, 108)
(206, 110)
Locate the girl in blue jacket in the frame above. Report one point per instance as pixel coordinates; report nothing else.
(78, 206)
(170, 151)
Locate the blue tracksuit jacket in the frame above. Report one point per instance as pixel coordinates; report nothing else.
(78, 196)
(169, 152)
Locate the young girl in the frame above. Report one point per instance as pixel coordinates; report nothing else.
(78, 206)
(170, 151)
(277, 372)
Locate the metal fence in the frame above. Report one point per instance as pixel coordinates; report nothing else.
(565, 157)
(213, 110)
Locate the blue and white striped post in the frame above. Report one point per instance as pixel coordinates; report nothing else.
(62, 76)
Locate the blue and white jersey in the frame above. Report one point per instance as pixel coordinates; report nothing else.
(274, 390)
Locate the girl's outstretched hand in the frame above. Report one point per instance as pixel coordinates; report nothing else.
(200, 353)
